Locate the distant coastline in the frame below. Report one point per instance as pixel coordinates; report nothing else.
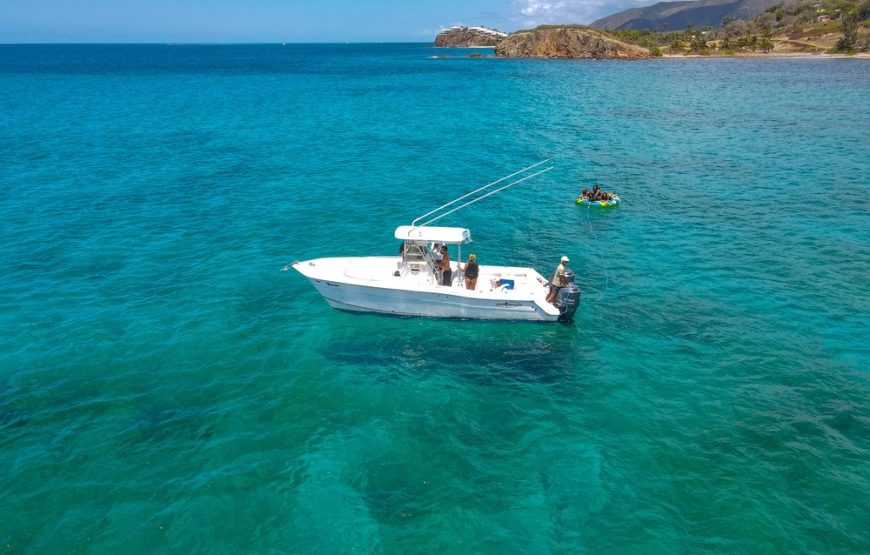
(478, 46)
(781, 55)
(716, 56)
(583, 42)
(823, 29)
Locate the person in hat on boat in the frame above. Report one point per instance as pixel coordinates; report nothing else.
(559, 281)
(471, 270)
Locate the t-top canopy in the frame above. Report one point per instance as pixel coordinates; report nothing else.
(427, 234)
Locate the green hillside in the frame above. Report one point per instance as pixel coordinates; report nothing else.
(811, 26)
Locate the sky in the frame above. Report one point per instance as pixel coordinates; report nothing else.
(98, 21)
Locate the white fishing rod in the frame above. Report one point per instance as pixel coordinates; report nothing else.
(454, 201)
(484, 196)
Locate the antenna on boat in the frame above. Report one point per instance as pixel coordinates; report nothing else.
(497, 181)
(436, 218)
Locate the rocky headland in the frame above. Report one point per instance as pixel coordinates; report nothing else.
(569, 41)
(457, 37)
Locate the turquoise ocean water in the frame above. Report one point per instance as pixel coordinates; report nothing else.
(164, 387)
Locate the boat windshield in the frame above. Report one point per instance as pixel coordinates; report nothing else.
(415, 253)
(417, 258)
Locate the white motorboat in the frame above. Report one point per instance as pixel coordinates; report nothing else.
(410, 284)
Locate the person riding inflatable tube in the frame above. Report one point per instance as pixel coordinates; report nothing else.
(611, 202)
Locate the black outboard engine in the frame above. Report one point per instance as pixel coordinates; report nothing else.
(568, 298)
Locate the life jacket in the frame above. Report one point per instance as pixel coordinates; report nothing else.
(472, 270)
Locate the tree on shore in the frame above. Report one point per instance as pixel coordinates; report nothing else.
(698, 43)
(748, 41)
(766, 44)
(849, 24)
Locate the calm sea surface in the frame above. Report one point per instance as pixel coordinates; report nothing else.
(164, 387)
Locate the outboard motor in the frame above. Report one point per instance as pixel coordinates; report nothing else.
(568, 298)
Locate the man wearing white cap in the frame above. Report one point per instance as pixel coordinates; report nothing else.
(558, 280)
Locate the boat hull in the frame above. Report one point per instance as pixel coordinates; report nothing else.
(372, 284)
(438, 304)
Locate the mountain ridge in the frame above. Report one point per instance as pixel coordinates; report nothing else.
(674, 16)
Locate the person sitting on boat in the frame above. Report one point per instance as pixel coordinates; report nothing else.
(586, 194)
(471, 270)
(444, 264)
(559, 281)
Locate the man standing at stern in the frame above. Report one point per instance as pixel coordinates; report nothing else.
(558, 280)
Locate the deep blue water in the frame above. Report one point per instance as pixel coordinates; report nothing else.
(165, 388)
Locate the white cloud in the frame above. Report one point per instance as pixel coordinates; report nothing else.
(530, 13)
